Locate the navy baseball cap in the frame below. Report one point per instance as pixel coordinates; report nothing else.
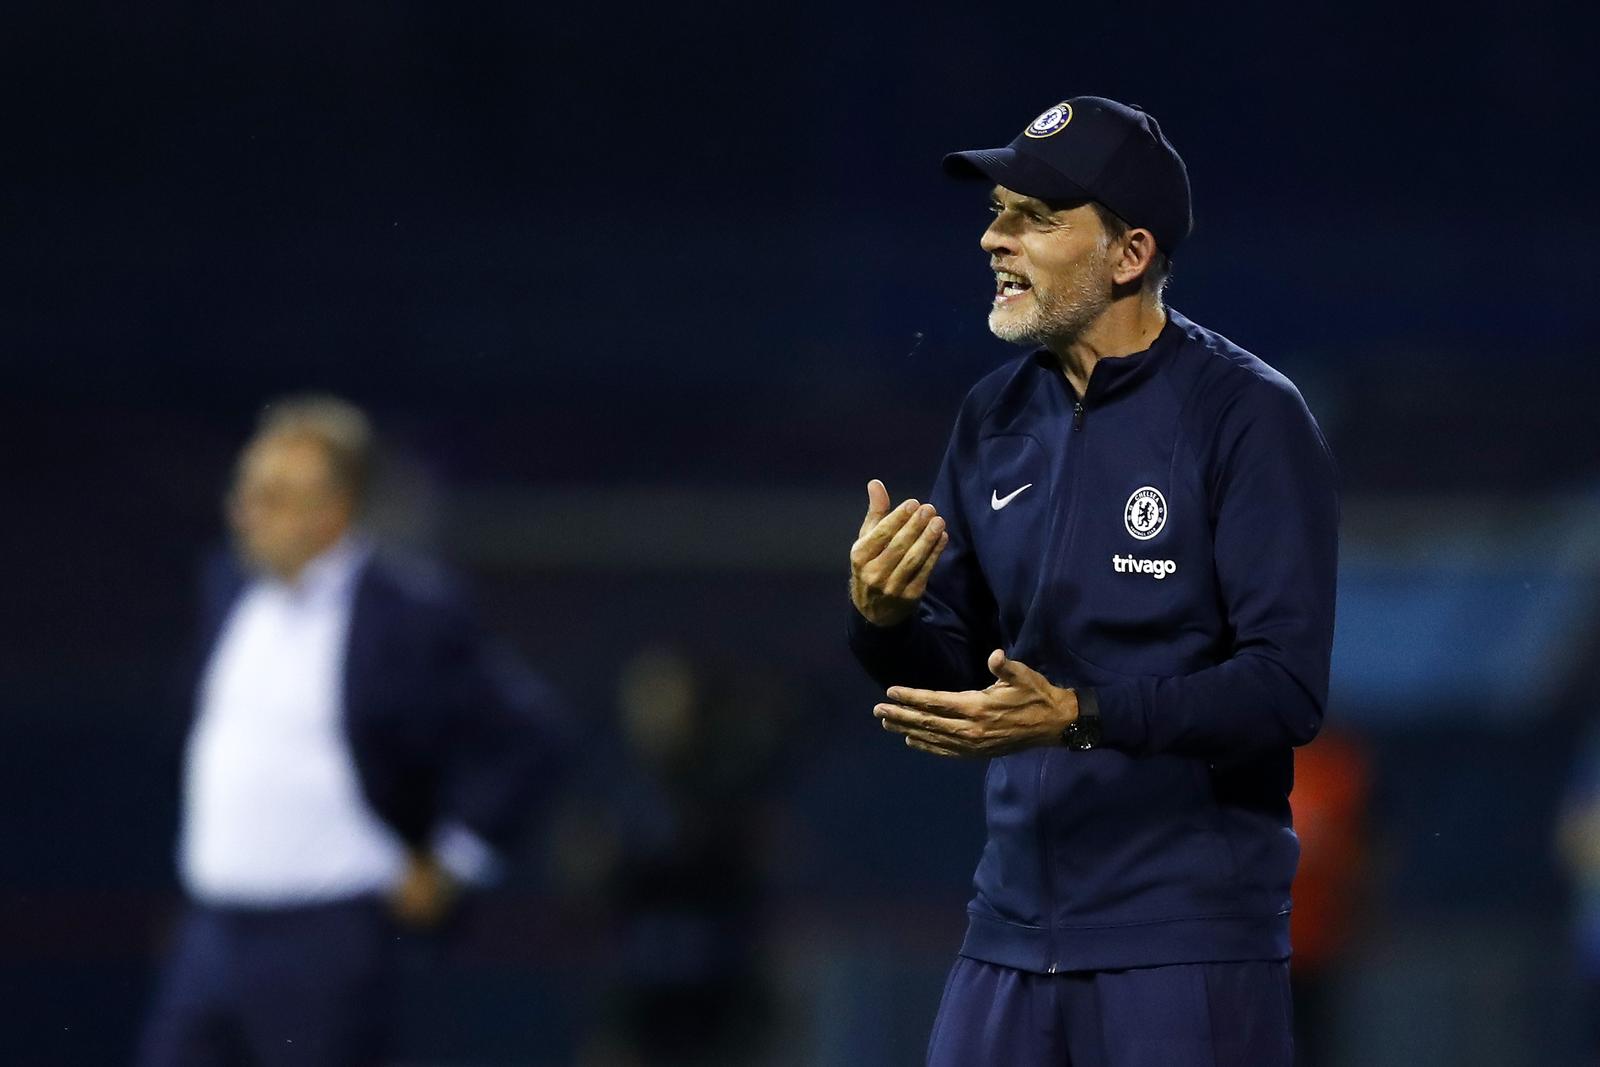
(1091, 148)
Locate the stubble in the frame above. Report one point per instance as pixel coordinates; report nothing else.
(1059, 315)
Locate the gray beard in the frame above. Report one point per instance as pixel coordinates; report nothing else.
(1057, 317)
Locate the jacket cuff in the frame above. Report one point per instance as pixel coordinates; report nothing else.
(469, 859)
(868, 638)
(1122, 722)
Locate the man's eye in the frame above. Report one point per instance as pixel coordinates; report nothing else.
(994, 209)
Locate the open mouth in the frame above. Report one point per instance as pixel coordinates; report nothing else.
(1009, 286)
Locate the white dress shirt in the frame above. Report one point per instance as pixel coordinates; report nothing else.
(273, 812)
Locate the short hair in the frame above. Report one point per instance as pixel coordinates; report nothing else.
(1116, 227)
(342, 429)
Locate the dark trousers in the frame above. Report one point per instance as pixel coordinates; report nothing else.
(302, 985)
(1187, 1015)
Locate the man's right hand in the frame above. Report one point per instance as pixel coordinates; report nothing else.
(893, 556)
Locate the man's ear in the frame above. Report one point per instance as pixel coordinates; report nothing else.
(1138, 253)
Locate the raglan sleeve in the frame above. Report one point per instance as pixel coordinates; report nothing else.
(1275, 511)
(947, 640)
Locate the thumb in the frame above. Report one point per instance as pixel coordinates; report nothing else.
(1010, 671)
(877, 505)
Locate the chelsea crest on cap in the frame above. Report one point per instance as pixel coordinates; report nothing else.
(1092, 148)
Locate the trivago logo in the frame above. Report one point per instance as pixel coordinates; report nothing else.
(1155, 568)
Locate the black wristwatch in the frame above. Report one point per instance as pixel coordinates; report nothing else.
(1083, 733)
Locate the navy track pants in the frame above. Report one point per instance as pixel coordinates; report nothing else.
(1184, 1015)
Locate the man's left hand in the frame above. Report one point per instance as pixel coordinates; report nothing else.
(1020, 710)
(425, 894)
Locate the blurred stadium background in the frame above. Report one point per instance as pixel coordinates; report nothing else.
(640, 299)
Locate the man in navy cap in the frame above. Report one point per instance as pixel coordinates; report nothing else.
(1120, 593)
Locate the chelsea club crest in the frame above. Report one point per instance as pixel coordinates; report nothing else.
(1145, 513)
(1052, 122)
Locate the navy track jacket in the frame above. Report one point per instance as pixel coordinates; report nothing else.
(1174, 551)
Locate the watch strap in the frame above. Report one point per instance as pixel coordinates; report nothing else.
(1083, 733)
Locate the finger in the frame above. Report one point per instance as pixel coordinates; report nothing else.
(917, 554)
(1012, 671)
(947, 733)
(902, 718)
(877, 505)
(892, 553)
(999, 664)
(870, 543)
(919, 581)
(934, 738)
(947, 751)
(945, 704)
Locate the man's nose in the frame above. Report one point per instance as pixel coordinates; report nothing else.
(996, 240)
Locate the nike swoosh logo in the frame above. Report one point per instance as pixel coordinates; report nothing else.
(996, 501)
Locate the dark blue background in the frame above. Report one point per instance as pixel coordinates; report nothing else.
(709, 247)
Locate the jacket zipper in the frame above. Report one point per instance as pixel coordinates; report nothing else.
(1044, 761)
(1049, 864)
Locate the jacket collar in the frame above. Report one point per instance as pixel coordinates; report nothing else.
(1118, 374)
(331, 575)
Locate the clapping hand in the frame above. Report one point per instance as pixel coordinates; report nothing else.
(1022, 709)
(893, 556)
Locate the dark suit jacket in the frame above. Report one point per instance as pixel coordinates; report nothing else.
(443, 721)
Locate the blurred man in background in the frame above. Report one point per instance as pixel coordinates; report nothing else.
(359, 750)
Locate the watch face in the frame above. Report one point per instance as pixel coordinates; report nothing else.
(1091, 733)
(1083, 734)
